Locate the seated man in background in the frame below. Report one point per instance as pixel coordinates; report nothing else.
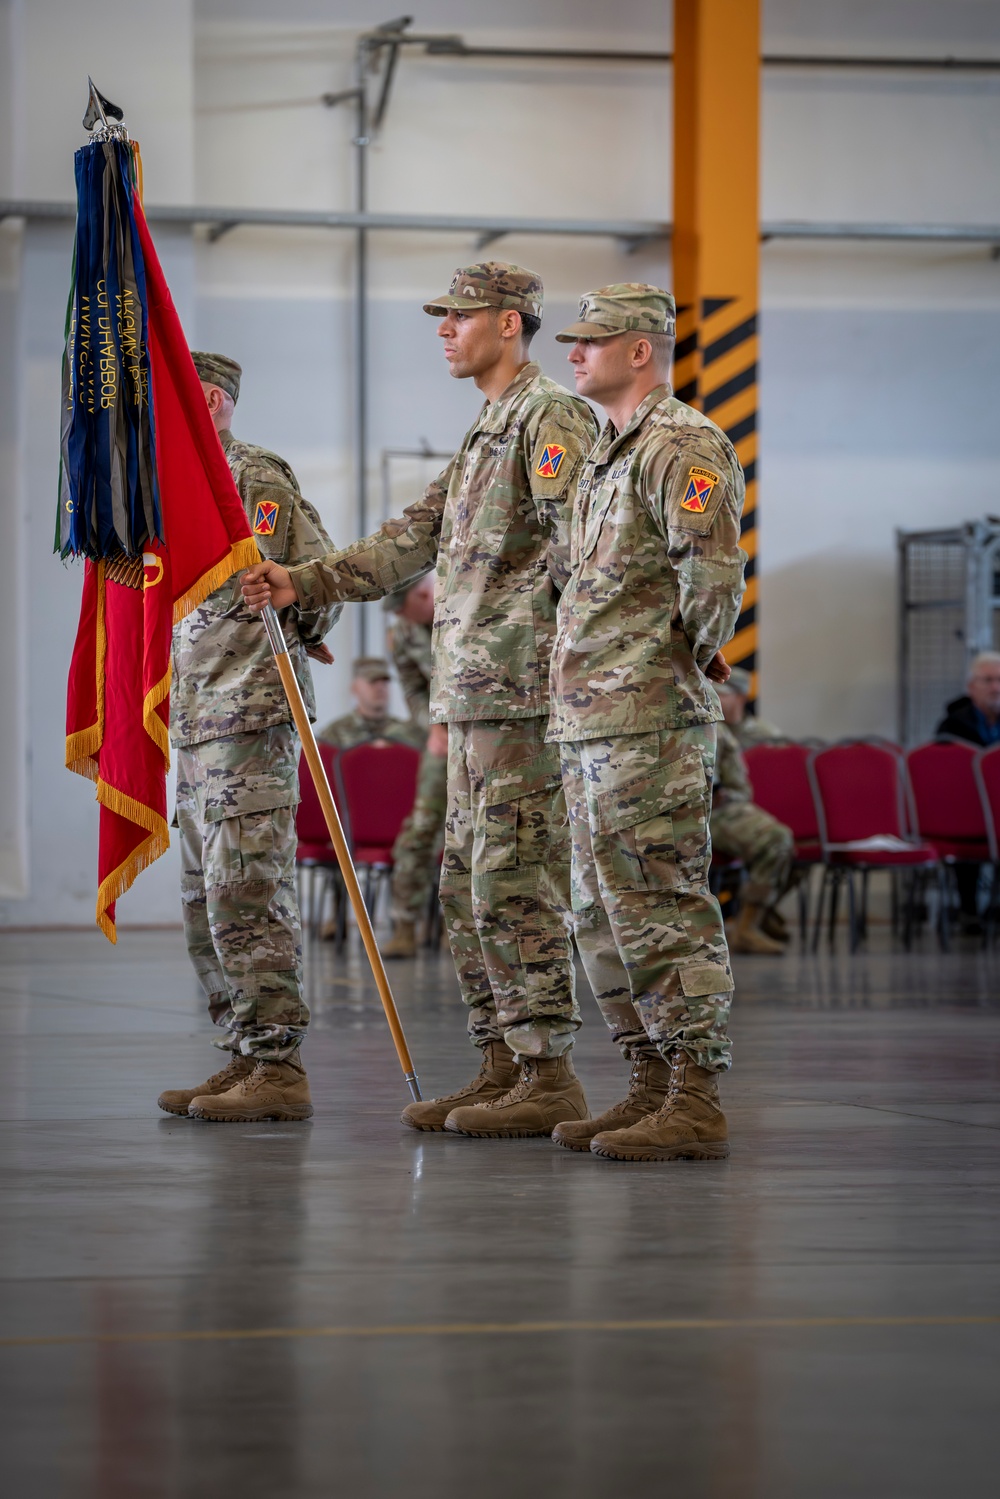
(747, 728)
(414, 854)
(741, 830)
(975, 717)
(371, 719)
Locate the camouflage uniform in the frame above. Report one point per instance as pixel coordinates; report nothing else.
(237, 772)
(414, 854)
(352, 728)
(751, 729)
(743, 831)
(489, 520)
(654, 592)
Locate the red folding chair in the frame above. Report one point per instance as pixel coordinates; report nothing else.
(779, 776)
(861, 807)
(986, 768)
(946, 808)
(377, 784)
(315, 855)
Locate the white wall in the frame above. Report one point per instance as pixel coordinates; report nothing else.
(879, 363)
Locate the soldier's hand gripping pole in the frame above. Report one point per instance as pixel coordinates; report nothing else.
(318, 772)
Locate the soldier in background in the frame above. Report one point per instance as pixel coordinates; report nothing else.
(414, 854)
(746, 727)
(370, 719)
(496, 521)
(653, 595)
(765, 847)
(237, 790)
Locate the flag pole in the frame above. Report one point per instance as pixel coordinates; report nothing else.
(318, 771)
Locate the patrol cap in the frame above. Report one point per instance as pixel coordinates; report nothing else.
(493, 283)
(625, 307)
(220, 370)
(739, 681)
(371, 668)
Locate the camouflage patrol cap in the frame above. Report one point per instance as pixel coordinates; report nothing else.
(218, 369)
(493, 283)
(626, 307)
(739, 681)
(371, 668)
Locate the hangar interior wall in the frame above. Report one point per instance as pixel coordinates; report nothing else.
(879, 363)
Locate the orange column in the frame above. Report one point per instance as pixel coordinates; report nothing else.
(716, 242)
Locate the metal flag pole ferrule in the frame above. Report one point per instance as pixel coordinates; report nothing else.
(317, 770)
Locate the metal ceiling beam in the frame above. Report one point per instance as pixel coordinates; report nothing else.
(629, 231)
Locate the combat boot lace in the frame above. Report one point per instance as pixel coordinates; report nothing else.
(688, 1125)
(273, 1090)
(547, 1092)
(647, 1089)
(497, 1071)
(176, 1100)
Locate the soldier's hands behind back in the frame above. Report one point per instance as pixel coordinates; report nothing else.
(437, 740)
(321, 653)
(718, 669)
(267, 583)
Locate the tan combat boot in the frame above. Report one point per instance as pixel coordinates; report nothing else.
(497, 1073)
(176, 1100)
(647, 1088)
(273, 1090)
(744, 933)
(547, 1092)
(773, 924)
(403, 942)
(689, 1125)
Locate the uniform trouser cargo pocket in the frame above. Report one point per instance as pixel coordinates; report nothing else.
(651, 830)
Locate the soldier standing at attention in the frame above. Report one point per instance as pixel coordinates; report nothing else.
(237, 790)
(654, 592)
(415, 850)
(496, 521)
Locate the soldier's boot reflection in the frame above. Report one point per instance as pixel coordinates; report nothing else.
(689, 1125)
(273, 1090)
(497, 1073)
(647, 1090)
(178, 1100)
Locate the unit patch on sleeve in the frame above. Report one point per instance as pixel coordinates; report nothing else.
(701, 482)
(550, 462)
(265, 518)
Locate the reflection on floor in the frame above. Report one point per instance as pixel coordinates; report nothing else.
(349, 1309)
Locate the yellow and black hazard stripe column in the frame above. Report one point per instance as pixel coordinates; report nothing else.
(716, 243)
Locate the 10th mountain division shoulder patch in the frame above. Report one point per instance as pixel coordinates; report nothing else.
(551, 461)
(701, 482)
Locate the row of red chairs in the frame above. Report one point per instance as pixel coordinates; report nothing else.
(864, 805)
(374, 787)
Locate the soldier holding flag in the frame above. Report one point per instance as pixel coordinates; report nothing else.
(237, 790)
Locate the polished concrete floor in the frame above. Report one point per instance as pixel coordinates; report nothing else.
(349, 1309)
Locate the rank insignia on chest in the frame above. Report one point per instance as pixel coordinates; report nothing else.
(551, 461)
(701, 482)
(265, 518)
